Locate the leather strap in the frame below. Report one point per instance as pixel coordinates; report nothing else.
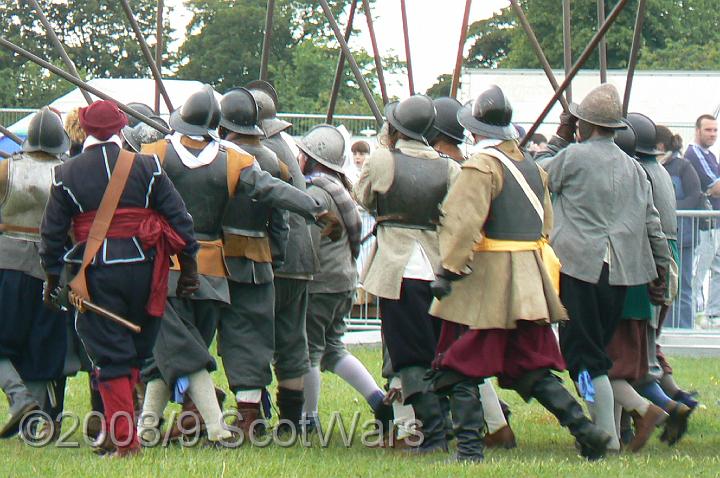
(157, 148)
(236, 162)
(26, 230)
(103, 218)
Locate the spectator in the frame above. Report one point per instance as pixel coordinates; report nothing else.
(360, 151)
(537, 143)
(707, 254)
(689, 196)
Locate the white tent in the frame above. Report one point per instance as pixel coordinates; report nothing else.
(125, 90)
(672, 98)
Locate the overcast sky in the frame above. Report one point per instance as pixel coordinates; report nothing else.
(434, 30)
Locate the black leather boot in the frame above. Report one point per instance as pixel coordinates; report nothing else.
(468, 420)
(557, 400)
(290, 404)
(432, 422)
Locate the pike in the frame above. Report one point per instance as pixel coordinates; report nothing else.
(147, 54)
(351, 61)
(538, 50)
(58, 45)
(11, 135)
(82, 305)
(340, 66)
(81, 84)
(576, 67)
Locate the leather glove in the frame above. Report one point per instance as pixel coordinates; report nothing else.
(568, 126)
(54, 295)
(442, 285)
(188, 282)
(657, 289)
(331, 225)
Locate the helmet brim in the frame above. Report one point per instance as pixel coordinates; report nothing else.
(26, 147)
(303, 147)
(129, 137)
(574, 110)
(392, 119)
(177, 124)
(273, 126)
(251, 130)
(472, 124)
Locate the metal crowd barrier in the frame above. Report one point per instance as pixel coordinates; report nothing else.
(697, 304)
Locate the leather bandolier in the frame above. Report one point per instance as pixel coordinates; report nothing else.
(206, 191)
(511, 216)
(246, 221)
(28, 188)
(418, 187)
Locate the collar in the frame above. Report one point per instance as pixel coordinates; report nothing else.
(701, 148)
(416, 148)
(93, 141)
(488, 143)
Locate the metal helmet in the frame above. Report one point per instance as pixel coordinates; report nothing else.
(626, 139)
(601, 107)
(46, 133)
(267, 100)
(646, 133)
(326, 145)
(200, 114)
(239, 112)
(141, 108)
(446, 122)
(412, 116)
(143, 134)
(489, 115)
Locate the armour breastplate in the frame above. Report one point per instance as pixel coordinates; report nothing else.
(28, 190)
(512, 216)
(204, 190)
(414, 197)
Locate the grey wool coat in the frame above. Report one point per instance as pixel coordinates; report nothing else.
(603, 209)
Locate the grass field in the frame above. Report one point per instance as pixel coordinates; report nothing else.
(544, 448)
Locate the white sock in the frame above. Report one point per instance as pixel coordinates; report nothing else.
(202, 391)
(249, 396)
(312, 391)
(494, 417)
(602, 410)
(404, 414)
(628, 398)
(350, 369)
(157, 394)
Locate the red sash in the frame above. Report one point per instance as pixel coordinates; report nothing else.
(153, 231)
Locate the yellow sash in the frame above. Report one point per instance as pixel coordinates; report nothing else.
(551, 261)
(210, 259)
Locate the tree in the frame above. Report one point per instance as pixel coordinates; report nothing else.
(677, 34)
(303, 58)
(96, 35)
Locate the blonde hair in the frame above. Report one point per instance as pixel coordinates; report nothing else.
(72, 126)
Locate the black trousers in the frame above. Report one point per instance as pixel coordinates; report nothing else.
(410, 332)
(124, 290)
(595, 310)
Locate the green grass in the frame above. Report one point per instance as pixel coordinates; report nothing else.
(544, 448)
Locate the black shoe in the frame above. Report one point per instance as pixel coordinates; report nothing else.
(13, 425)
(676, 424)
(557, 400)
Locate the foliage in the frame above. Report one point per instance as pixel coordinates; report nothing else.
(677, 35)
(303, 56)
(96, 35)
